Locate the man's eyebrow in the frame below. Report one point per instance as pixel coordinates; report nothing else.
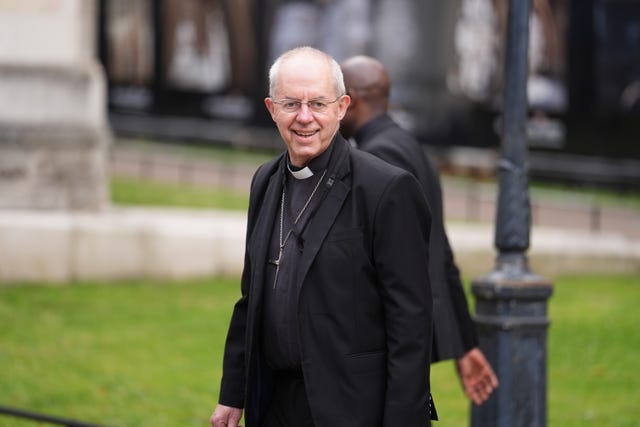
(317, 98)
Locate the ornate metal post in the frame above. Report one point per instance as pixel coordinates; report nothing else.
(511, 301)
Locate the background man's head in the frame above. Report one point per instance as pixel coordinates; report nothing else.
(307, 100)
(367, 83)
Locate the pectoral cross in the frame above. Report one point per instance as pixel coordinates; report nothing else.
(276, 262)
(283, 241)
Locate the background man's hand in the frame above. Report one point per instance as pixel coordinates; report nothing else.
(476, 376)
(226, 416)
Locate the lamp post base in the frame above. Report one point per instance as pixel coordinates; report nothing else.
(511, 318)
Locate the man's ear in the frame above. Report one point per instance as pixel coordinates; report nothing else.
(343, 104)
(268, 102)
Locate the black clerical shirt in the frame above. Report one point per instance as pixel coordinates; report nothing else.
(280, 328)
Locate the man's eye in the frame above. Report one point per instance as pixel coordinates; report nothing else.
(290, 105)
(318, 105)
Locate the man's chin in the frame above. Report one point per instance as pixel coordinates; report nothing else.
(305, 152)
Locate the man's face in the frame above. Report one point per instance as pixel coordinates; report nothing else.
(307, 133)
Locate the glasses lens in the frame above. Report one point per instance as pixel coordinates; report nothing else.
(290, 106)
(317, 106)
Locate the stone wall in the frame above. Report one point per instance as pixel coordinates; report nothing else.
(53, 129)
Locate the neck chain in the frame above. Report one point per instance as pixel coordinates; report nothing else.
(283, 242)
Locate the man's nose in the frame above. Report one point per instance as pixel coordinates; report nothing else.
(304, 114)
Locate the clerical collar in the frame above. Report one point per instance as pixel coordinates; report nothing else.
(317, 164)
(303, 173)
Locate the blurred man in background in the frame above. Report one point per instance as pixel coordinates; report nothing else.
(367, 121)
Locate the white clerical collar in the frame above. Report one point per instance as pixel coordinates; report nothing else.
(303, 173)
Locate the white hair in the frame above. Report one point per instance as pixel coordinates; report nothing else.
(336, 72)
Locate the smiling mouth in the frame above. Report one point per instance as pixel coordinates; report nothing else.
(305, 134)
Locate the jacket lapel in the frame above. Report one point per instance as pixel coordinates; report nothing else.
(328, 210)
(261, 235)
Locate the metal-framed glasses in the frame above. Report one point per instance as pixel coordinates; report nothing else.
(315, 105)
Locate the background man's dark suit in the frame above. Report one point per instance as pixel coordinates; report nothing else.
(454, 332)
(364, 308)
(367, 121)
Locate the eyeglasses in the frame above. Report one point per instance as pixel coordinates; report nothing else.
(315, 105)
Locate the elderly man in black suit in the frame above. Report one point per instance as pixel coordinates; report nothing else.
(368, 123)
(333, 325)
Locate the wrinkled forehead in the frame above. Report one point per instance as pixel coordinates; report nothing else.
(308, 76)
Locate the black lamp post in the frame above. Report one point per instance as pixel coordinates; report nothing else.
(511, 301)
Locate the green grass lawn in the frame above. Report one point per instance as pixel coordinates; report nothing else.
(141, 192)
(149, 353)
(126, 354)
(593, 346)
(145, 192)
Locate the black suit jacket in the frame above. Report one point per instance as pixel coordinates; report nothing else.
(454, 332)
(362, 302)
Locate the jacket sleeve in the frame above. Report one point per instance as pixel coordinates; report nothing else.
(467, 329)
(232, 387)
(401, 241)
(233, 384)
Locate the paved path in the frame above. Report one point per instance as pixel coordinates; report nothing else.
(174, 243)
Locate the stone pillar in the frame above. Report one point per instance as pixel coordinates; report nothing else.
(53, 128)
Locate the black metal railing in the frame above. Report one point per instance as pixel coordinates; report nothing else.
(34, 416)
